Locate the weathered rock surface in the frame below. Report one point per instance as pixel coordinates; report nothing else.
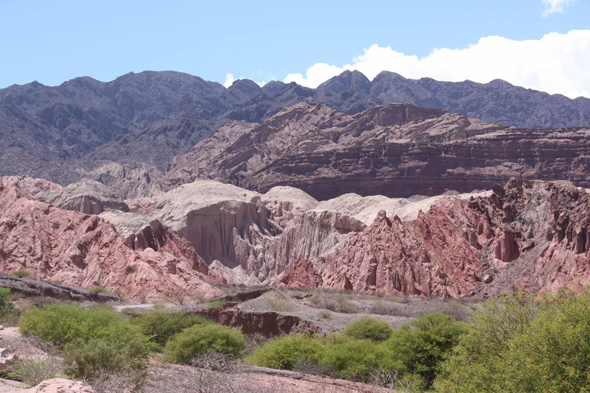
(301, 275)
(128, 181)
(429, 256)
(248, 238)
(529, 236)
(85, 250)
(214, 216)
(7, 359)
(244, 239)
(33, 186)
(365, 209)
(286, 202)
(396, 150)
(87, 196)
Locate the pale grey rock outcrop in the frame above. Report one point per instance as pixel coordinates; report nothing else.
(86, 196)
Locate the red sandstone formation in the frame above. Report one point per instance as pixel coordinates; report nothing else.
(432, 255)
(301, 275)
(531, 236)
(84, 250)
(33, 186)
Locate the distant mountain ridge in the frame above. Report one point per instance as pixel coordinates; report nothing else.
(396, 150)
(60, 132)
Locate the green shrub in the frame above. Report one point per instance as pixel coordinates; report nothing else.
(61, 324)
(422, 344)
(96, 290)
(92, 340)
(97, 355)
(160, 325)
(358, 359)
(201, 339)
(524, 345)
(285, 352)
(215, 303)
(34, 371)
(368, 328)
(4, 296)
(21, 273)
(9, 314)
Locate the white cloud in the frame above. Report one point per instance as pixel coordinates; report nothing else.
(557, 63)
(229, 79)
(554, 6)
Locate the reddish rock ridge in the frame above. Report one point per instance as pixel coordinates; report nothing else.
(33, 186)
(431, 256)
(396, 150)
(301, 275)
(84, 250)
(531, 236)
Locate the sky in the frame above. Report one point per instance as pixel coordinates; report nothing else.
(539, 44)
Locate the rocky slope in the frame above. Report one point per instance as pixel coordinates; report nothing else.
(396, 150)
(529, 236)
(251, 238)
(86, 250)
(59, 133)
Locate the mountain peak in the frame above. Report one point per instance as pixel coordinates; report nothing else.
(347, 80)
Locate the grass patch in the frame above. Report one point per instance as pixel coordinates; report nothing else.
(21, 273)
(215, 303)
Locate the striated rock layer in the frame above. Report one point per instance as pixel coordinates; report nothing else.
(246, 237)
(85, 250)
(529, 236)
(396, 150)
(88, 197)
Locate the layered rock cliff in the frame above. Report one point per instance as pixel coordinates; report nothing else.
(86, 250)
(87, 196)
(396, 150)
(529, 236)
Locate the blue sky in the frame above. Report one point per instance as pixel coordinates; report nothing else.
(54, 41)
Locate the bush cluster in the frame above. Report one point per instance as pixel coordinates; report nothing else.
(522, 344)
(92, 341)
(21, 273)
(98, 341)
(286, 352)
(202, 339)
(160, 325)
(369, 347)
(8, 313)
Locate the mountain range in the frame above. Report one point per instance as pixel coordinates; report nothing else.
(144, 120)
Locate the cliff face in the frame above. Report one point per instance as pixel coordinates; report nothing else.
(528, 236)
(396, 151)
(244, 236)
(85, 250)
(431, 256)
